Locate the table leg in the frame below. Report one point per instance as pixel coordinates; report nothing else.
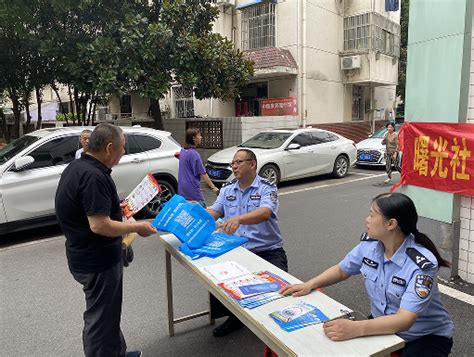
(211, 320)
(169, 293)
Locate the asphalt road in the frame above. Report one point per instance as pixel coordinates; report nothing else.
(321, 219)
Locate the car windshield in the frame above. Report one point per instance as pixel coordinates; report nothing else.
(266, 140)
(381, 132)
(16, 146)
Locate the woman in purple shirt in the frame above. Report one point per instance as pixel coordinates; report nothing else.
(191, 169)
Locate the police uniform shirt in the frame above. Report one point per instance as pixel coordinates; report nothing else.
(408, 280)
(233, 201)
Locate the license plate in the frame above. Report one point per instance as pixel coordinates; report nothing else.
(366, 157)
(213, 173)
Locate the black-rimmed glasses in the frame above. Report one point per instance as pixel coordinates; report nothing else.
(239, 162)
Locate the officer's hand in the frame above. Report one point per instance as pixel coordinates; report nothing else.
(296, 289)
(231, 225)
(341, 329)
(145, 229)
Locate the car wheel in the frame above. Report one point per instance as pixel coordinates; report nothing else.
(271, 173)
(154, 206)
(341, 167)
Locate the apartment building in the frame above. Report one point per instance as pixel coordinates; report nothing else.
(326, 61)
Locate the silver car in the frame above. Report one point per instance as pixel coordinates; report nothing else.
(30, 168)
(284, 155)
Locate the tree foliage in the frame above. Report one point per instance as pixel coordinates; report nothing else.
(404, 16)
(100, 48)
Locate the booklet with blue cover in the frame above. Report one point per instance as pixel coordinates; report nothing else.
(297, 316)
(195, 227)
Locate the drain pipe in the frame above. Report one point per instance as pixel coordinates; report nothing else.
(303, 62)
(301, 42)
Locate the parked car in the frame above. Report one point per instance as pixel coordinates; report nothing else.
(370, 151)
(286, 154)
(30, 168)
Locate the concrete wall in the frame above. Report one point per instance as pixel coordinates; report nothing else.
(235, 130)
(438, 90)
(466, 236)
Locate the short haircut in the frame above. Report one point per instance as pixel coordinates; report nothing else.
(86, 131)
(103, 134)
(190, 134)
(392, 125)
(250, 154)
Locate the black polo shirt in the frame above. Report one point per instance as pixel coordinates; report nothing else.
(86, 189)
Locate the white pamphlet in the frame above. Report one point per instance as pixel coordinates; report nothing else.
(225, 271)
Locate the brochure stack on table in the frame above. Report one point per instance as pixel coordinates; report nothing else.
(297, 316)
(249, 290)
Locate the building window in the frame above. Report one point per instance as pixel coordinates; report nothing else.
(372, 31)
(356, 32)
(357, 102)
(258, 26)
(183, 98)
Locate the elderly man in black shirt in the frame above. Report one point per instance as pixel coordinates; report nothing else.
(89, 213)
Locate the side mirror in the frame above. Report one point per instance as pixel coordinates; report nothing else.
(293, 146)
(23, 162)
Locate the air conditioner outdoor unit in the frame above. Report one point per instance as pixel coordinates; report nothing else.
(225, 2)
(350, 62)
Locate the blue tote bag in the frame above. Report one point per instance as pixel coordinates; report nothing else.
(191, 223)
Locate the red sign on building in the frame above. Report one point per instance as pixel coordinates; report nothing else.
(279, 106)
(439, 156)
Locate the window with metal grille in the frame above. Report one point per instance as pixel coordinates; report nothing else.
(357, 102)
(183, 98)
(258, 26)
(372, 31)
(211, 131)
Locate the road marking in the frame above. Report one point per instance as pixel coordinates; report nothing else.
(330, 184)
(21, 245)
(456, 294)
(361, 173)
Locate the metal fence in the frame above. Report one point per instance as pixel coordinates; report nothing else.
(211, 131)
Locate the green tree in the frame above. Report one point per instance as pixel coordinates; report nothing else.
(404, 16)
(101, 48)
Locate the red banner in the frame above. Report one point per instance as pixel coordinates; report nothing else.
(439, 156)
(279, 106)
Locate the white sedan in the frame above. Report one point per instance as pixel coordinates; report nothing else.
(30, 168)
(287, 154)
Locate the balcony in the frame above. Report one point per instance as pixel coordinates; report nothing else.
(272, 62)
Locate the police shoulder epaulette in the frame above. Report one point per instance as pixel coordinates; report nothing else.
(419, 259)
(365, 237)
(266, 182)
(229, 183)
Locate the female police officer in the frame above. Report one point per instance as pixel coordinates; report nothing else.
(400, 267)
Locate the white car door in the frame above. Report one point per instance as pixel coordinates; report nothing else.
(30, 193)
(133, 166)
(325, 152)
(300, 162)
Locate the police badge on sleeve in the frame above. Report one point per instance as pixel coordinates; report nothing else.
(423, 285)
(274, 196)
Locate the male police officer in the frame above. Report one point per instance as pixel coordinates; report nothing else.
(249, 205)
(88, 210)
